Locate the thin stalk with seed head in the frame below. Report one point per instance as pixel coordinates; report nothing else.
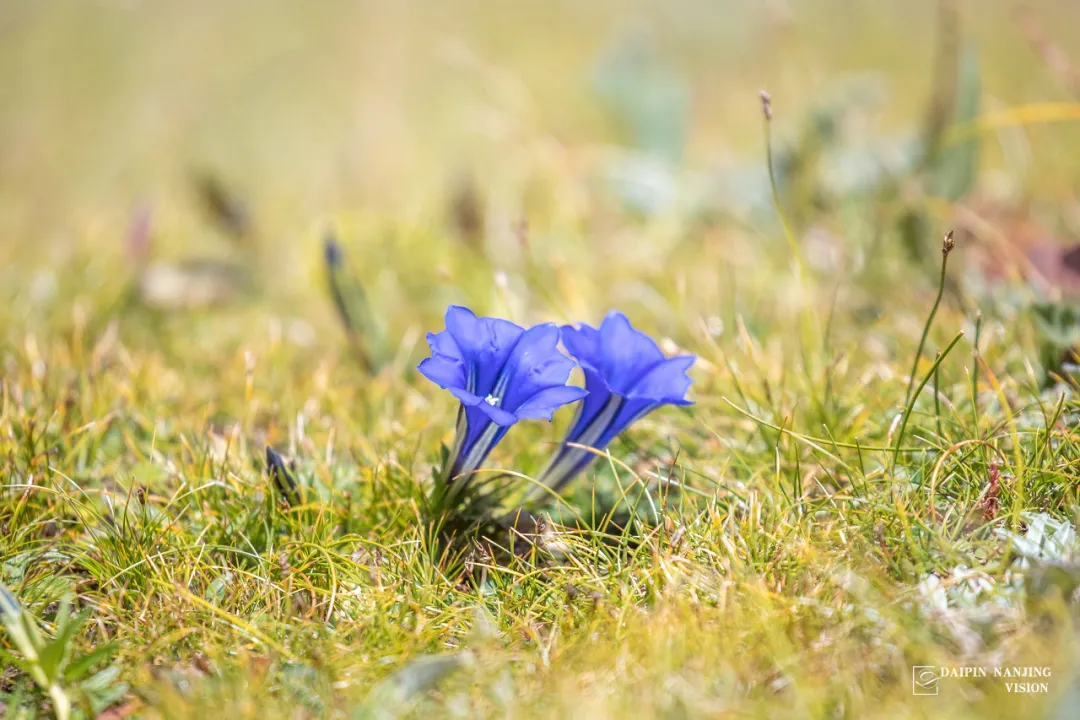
(766, 104)
(809, 320)
(946, 248)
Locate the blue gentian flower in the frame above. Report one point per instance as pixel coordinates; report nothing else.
(627, 376)
(501, 373)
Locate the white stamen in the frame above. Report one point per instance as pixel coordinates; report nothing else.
(492, 400)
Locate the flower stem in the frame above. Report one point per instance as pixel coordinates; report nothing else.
(945, 250)
(946, 247)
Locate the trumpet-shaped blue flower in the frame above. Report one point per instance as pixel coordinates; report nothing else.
(501, 373)
(627, 376)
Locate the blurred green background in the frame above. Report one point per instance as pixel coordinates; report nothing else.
(322, 107)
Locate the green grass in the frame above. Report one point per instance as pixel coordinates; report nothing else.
(836, 508)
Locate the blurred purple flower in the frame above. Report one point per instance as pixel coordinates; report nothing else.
(501, 373)
(627, 377)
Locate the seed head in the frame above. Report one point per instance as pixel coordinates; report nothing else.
(948, 244)
(766, 104)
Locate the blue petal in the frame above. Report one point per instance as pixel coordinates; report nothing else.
(499, 416)
(535, 364)
(666, 383)
(628, 353)
(583, 344)
(545, 402)
(627, 377)
(485, 345)
(443, 344)
(444, 373)
(467, 398)
(458, 319)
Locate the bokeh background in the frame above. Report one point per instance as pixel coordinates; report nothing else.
(313, 109)
(587, 155)
(540, 160)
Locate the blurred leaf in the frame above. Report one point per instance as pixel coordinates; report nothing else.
(644, 95)
(644, 183)
(1058, 323)
(444, 455)
(1058, 327)
(215, 593)
(365, 332)
(1046, 539)
(55, 655)
(944, 77)
(391, 697)
(467, 212)
(21, 628)
(41, 659)
(302, 682)
(78, 667)
(1042, 580)
(914, 228)
(103, 689)
(955, 167)
(802, 166)
(223, 206)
